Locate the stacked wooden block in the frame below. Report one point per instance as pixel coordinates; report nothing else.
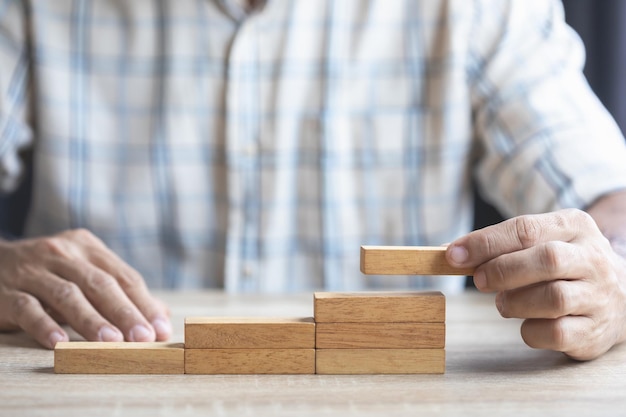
(249, 345)
(380, 333)
(351, 333)
(119, 358)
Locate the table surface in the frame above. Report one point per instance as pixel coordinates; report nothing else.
(489, 369)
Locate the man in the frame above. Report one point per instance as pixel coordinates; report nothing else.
(208, 144)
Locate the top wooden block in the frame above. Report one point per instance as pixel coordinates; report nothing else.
(408, 260)
(377, 307)
(249, 333)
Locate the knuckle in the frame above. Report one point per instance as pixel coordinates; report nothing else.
(559, 298)
(65, 291)
(496, 276)
(554, 258)
(560, 335)
(580, 217)
(80, 236)
(129, 281)
(96, 280)
(124, 313)
(22, 303)
(53, 245)
(527, 230)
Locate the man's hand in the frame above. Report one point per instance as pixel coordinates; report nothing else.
(558, 272)
(74, 278)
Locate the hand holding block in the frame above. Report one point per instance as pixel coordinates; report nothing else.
(408, 260)
(249, 333)
(380, 307)
(119, 358)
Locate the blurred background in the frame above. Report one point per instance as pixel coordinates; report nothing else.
(600, 23)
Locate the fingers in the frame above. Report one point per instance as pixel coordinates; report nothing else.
(518, 234)
(138, 314)
(27, 313)
(551, 300)
(132, 284)
(549, 261)
(67, 299)
(565, 334)
(557, 271)
(74, 278)
(90, 298)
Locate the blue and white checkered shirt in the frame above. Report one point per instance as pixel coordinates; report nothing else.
(210, 148)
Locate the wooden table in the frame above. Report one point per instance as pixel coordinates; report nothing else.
(489, 372)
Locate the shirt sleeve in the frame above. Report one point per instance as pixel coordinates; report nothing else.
(545, 141)
(15, 63)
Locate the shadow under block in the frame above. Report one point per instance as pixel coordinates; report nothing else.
(249, 361)
(380, 335)
(249, 333)
(119, 358)
(408, 260)
(377, 307)
(380, 361)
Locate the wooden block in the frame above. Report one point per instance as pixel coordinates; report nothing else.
(250, 361)
(408, 260)
(380, 361)
(376, 307)
(249, 333)
(380, 335)
(119, 358)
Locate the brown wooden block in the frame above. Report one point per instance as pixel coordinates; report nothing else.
(249, 333)
(380, 335)
(119, 358)
(380, 361)
(250, 361)
(376, 307)
(408, 260)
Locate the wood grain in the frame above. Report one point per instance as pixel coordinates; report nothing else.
(380, 335)
(250, 361)
(119, 358)
(249, 333)
(489, 371)
(408, 260)
(380, 361)
(376, 307)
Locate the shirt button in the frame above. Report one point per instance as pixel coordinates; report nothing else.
(247, 271)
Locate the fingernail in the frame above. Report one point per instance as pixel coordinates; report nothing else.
(162, 327)
(480, 280)
(108, 334)
(141, 333)
(56, 337)
(459, 254)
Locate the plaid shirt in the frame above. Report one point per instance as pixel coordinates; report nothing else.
(211, 148)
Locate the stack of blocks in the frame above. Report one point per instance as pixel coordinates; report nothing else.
(351, 333)
(249, 346)
(380, 333)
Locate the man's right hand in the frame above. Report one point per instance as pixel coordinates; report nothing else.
(73, 278)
